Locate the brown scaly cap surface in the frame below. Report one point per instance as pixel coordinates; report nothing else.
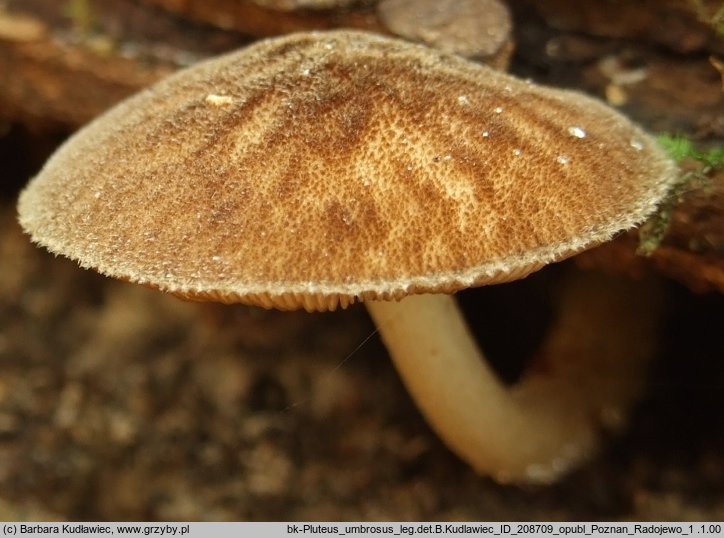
(317, 169)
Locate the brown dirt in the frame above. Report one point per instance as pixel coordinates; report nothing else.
(120, 403)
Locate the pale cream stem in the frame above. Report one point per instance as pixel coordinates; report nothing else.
(550, 421)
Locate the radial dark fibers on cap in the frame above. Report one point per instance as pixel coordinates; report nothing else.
(319, 169)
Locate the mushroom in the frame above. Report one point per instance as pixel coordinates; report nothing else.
(475, 29)
(319, 169)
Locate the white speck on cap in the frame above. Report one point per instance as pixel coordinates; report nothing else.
(577, 132)
(219, 100)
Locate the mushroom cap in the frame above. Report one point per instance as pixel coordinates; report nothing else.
(317, 169)
(470, 28)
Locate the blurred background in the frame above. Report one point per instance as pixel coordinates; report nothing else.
(121, 403)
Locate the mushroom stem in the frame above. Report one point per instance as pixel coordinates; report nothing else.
(535, 431)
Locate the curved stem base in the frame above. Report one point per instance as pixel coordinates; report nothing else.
(550, 421)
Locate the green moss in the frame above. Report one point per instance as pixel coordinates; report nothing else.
(704, 14)
(652, 233)
(680, 148)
